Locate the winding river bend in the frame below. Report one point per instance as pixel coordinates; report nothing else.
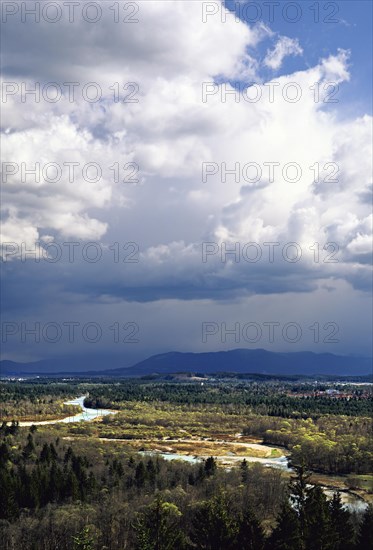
(352, 501)
(86, 414)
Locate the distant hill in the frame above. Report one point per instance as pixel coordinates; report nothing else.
(236, 361)
(250, 361)
(65, 365)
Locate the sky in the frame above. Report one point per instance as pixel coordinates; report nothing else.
(185, 176)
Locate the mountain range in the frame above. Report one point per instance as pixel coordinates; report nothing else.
(232, 361)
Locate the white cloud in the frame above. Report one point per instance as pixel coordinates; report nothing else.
(169, 133)
(36, 185)
(284, 47)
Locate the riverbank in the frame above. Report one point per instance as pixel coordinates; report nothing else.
(85, 414)
(194, 451)
(229, 451)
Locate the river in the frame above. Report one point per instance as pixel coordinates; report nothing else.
(225, 460)
(350, 500)
(86, 414)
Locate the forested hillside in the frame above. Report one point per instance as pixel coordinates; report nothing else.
(107, 484)
(57, 495)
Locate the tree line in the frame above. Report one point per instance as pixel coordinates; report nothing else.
(262, 398)
(70, 495)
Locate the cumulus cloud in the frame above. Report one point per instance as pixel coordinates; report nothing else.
(284, 47)
(41, 187)
(170, 133)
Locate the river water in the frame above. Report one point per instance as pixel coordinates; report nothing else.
(86, 414)
(350, 500)
(226, 460)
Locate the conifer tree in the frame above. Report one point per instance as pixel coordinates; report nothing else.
(250, 533)
(299, 491)
(29, 447)
(365, 538)
(244, 471)
(210, 466)
(341, 532)
(287, 534)
(317, 521)
(214, 526)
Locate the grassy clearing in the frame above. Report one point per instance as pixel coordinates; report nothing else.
(364, 482)
(204, 448)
